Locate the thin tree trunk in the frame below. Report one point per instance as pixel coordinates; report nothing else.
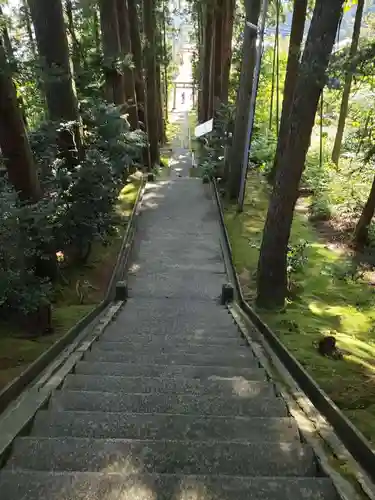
(96, 30)
(12, 61)
(207, 58)
(211, 98)
(227, 48)
(58, 82)
(165, 65)
(76, 50)
(137, 58)
(126, 50)
(360, 237)
(140, 90)
(243, 100)
(112, 52)
(272, 266)
(218, 58)
(159, 106)
(29, 30)
(296, 37)
(348, 83)
(14, 142)
(149, 26)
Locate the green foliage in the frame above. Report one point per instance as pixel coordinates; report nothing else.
(22, 230)
(77, 210)
(296, 257)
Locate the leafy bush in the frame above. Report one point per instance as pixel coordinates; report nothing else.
(296, 257)
(22, 230)
(263, 149)
(78, 207)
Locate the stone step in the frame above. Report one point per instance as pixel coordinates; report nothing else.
(220, 359)
(182, 284)
(139, 340)
(22, 485)
(174, 313)
(163, 426)
(171, 348)
(169, 403)
(163, 371)
(178, 335)
(228, 387)
(171, 457)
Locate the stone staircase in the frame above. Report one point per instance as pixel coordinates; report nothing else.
(170, 403)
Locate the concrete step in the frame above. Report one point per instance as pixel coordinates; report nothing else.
(181, 284)
(169, 403)
(220, 359)
(206, 336)
(171, 348)
(163, 371)
(171, 457)
(224, 387)
(25, 485)
(163, 426)
(178, 315)
(139, 340)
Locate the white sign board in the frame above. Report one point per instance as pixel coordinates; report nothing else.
(204, 128)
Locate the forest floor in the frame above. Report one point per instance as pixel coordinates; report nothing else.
(334, 296)
(18, 352)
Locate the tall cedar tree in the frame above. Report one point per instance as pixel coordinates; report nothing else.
(296, 37)
(14, 142)
(149, 26)
(243, 99)
(348, 83)
(218, 57)
(272, 266)
(58, 82)
(227, 47)
(114, 80)
(129, 83)
(207, 59)
(137, 59)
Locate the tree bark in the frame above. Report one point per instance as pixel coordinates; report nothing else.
(243, 100)
(348, 83)
(227, 48)
(126, 50)
(76, 50)
(296, 37)
(149, 26)
(114, 81)
(62, 102)
(360, 237)
(14, 142)
(207, 58)
(218, 57)
(159, 106)
(137, 58)
(272, 266)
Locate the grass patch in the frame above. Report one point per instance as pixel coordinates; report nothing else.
(16, 351)
(331, 301)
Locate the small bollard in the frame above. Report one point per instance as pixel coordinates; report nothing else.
(150, 177)
(227, 293)
(121, 290)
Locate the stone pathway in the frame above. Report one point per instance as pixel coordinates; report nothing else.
(170, 403)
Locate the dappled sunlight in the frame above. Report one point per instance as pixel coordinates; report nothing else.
(241, 386)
